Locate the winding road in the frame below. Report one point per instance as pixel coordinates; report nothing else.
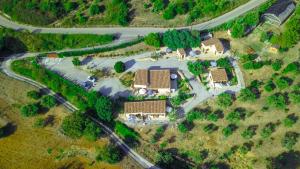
(5, 66)
(132, 32)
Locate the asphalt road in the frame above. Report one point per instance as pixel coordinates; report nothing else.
(131, 32)
(138, 158)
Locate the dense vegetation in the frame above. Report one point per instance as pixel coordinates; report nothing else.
(23, 41)
(37, 12)
(242, 25)
(291, 33)
(194, 9)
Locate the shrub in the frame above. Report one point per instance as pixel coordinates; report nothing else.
(210, 128)
(76, 61)
(29, 110)
(295, 97)
(277, 65)
(224, 100)
(158, 134)
(91, 131)
(235, 116)
(224, 62)
(39, 123)
(175, 39)
(108, 153)
(253, 65)
(277, 100)
(283, 82)
(94, 10)
(73, 125)
(212, 117)
(289, 140)
(247, 95)
(227, 131)
(34, 94)
(267, 130)
(194, 115)
(290, 120)
(153, 39)
(48, 101)
(164, 159)
(182, 127)
(248, 133)
(119, 67)
(125, 132)
(196, 68)
(245, 148)
(169, 12)
(270, 86)
(291, 68)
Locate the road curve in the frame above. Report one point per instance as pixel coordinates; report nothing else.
(134, 31)
(134, 155)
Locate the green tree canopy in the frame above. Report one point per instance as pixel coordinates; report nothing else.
(153, 39)
(119, 67)
(30, 110)
(224, 100)
(103, 107)
(196, 68)
(48, 101)
(73, 125)
(175, 39)
(108, 153)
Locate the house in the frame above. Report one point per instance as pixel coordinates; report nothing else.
(274, 49)
(155, 80)
(146, 110)
(279, 12)
(181, 53)
(213, 45)
(217, 77)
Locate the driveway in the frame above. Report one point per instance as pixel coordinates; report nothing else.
(126, 32)
(113, 88)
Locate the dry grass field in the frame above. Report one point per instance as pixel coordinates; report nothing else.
(35, 148)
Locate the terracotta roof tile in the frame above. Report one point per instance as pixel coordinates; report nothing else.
(141, 77)
(153, 106)
(216, 42)
(219, 75)
(153, 79)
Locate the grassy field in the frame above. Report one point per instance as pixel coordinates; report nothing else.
(29, 147)
(187, 145)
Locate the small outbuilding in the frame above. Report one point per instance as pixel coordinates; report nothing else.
(279, 12)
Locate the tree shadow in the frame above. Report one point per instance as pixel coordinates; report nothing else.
(8, 129)
(286, 160)
(86, 60)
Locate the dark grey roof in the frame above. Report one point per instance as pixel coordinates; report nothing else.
(280, 11)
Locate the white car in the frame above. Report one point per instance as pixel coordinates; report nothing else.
(91, 79)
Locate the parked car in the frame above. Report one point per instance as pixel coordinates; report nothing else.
(92, 79)
(88, 85)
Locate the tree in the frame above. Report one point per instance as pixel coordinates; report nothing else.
(247, 95)
(170, 12)
(73, 125)
(291, 68)
(108, 153)
(289, 140)
(76, 61)
(283, 82)
(175, 39)
(270, 86)
(29, 110)
(158, 5)
(224, 100)
(153, 39)
(277, 101)
(228, 130)
(164, 158)
(125, 132)
(103, 107)
(196, 68)
(290, 120)
(267, 130)
(1, 42)
(48, 101)
(34, 94)
(119, 67)
(277, 65)
(94, 10)
(224, 62)
(249, 132)
(295, 97)
(235, 116)
(91, 131)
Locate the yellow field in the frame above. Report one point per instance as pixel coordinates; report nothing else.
(32, 148)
